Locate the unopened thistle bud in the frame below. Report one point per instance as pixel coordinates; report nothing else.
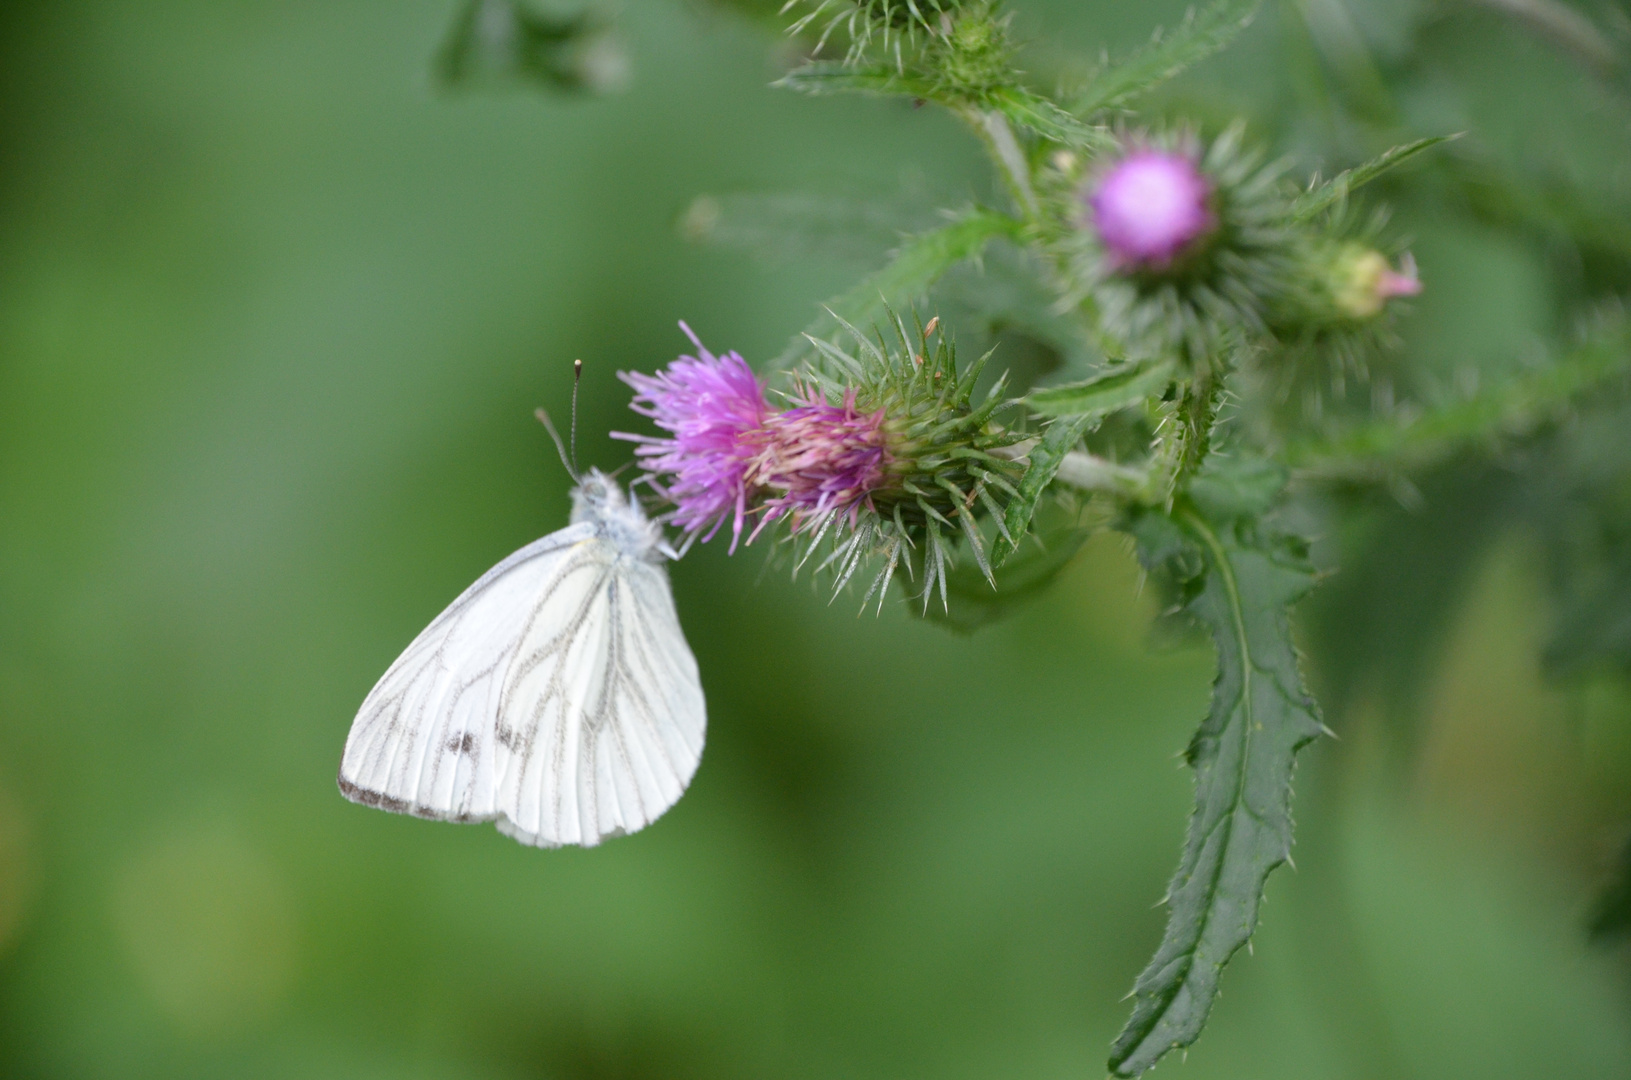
(1150, 208)
(1180, 247)
(1362, 282)
(884, 452)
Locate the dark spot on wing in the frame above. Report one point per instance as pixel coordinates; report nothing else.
(506, 736)
(462, 744)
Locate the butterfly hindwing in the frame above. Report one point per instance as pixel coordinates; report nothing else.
(604, 712)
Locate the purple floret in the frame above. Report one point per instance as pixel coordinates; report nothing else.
(1149, 207)
(822, 461)
(714, 408)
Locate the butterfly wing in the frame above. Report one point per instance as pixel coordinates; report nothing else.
(603, 715)
(556, 695)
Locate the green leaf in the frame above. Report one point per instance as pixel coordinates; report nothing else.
(972, 602)
(788, 225)
(1043, 117)
(1244, 487)
(1044, 460)
(508, 41)
(1103, 394)
(1512, 407)
(1022, 107)
(916, 266)
(1240, 583)
(836, 77)
(1313, 202)
(1200, 35)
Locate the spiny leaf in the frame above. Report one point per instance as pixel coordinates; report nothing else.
(1337, 188)
(915, 267)
(1240, 584)
(787, 225)
(1044, 460)
(1512, 407)
(1200, 35)
(1103, 394)
(835, 77)
(1022, 107)
(1043, 117)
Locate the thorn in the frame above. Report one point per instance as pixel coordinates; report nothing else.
(934, 324)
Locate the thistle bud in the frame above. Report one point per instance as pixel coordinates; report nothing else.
(1180, 246)
(1362, 282)
(1150, 208)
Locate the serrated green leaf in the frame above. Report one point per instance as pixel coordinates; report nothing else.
(787, 225)
(1043, 117)
(836, 77)
(916, 266)
(972, 601)
(1022, 107)
(1243, 487)
(1333, 191)
(1200, 35)
(1044, 460)
(1103, 394)
(1241, 586)
(1511, 407)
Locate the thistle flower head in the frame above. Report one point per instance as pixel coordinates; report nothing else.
(1150, 207)
(883, 453)
(894, 26)
(821, 460)
(714, 409)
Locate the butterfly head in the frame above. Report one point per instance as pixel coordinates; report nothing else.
(599, 500)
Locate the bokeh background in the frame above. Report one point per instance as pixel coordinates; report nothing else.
(274, 315)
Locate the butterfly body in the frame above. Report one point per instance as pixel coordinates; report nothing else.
(556, 696)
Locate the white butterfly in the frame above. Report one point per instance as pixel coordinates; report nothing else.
(556, 696)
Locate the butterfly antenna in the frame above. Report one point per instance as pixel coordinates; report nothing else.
(577, 376)
(560, 447)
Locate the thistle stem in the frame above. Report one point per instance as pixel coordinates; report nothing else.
(1089, 472)
(1005, 149)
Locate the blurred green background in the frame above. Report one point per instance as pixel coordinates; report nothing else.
(274, 316)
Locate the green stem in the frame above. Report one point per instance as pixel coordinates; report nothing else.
(1009, 156)
(1089, 472)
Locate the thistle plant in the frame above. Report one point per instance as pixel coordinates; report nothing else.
(1195, 284)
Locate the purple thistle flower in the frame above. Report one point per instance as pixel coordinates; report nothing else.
(822, 461)
(714, 407)
(1149, 207)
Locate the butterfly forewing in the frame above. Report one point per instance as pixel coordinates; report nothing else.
(557, 695)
